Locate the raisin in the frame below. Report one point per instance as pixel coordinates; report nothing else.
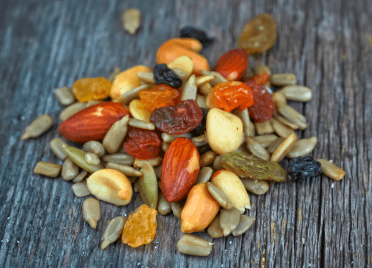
(200, 35)
(164, 75)
(232, 94)
(263, 107)
(178, 119)
(200, 129)
(159, 96)
(86, 89)
(304, 167)
(142, 143)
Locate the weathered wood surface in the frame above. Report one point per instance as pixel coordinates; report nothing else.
(320, 223)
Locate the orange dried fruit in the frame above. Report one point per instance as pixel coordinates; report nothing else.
(232, 94)
(159, 96)
(140, 228)
(86, 89)
(259, 34)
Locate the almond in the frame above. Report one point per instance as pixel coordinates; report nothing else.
(233, 64)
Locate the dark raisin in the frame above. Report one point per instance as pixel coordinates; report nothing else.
(200, 129)
(304, 167)
(142, 143)
(164, 75)
(191, 32)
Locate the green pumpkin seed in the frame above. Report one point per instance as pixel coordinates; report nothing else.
(38, 127)
(126, 170)
(214, 229)
(204, 175)
(244, 224)
(192, 245)
(229, 220)
(81, 176)
(78, 157)
(64, 95)
(91, 211)
(257, 187)
(92, 159)
(124, 159)
(56, 145)
(94, 147)
(81, 189)
(116, 134)
(219, 196)
(164, 207)
(148, 186)
(47, 169)
(113, 231)
(69, 170)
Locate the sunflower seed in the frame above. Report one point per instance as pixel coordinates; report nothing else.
(164, 207)
(91, 211)
(284, 148)
(169, 138)
(94, 147)
(158, 171)
(264, 128)
(282, 79)
(256, 187)
(217, 163)
(200, 140)
(292, 115)
(281, 129)
(126, 170)
(248, 126)
(81, 189)
(146, 77)
(93, 102)
(69, 170)
(331, 170)
(189, 90)
(244, 224)
(113, 231)
(200, 100)
(207, 158)
(219, 196)
(56, 145)
(92, 159)
(192, 245)
(71, 110)
(64, 95)
(302, 147)
(47, 169)
(138, 163)
(297, 93)
(165, 146)
(131, 20)
(265, 140)
(115, 136)
(127, 97)
(38, 127)
(177, 209)
(141, 124)
(114, 74)
(285, 121)
(81, 176)
(279, 98)
(229, 220)
(214, 229)
(148, 186)
(218, 78)
(201, 80)
(204, 175)
(272, 147)
(205, 88)
(257, 149)
(124, 159)
(262, 69)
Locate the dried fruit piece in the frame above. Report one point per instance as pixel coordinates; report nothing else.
(178, 119)
(131, 20)
(232, 94)
(259, 34)
(201, 128)
(304, 167)
(159, 96)
(86, 89)
(261, 79)
(142, 143)
(164, 75)
(200, 35)
(233, 64)
(140, 228)
(251, 167)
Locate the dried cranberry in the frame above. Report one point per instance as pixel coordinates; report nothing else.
(142, 143)
(200, 129)
(164, 75)
(304, 167)
(263, 107)
(200, 35)
(177, 119)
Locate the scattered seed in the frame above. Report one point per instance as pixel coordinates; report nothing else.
(141, 124)
(214, 229)
(285, 121)
(47, 169)
(164, 207)
(165, 146)
(302, 147)
(256, 187)
(148, 186)
(244, 224)
(220, 196)
(138, 163)
(189, 90)
(115, 136)
(124, 159)
(229, 220)
(205, 89)
(113, 231)
(69, 170)
(56, 145)
(177, 209)
(281, 129)
(272, 147)
(126, 170)
(92, 159)
(65, 96)
(94, 147)
(331, 170)
(201, 80)
(200, 140)
(292, 115)
(81, 189)
(91, 211)
(131, 20)
(38, 127)
(257, 149)
(217, 165)
(297, 93)
(201, 101)
(279, 98)
(81, 176)
(218, 78)
(71, 110)
(207, 158)
(262, 69)
(284, 148)
(93, 102)
(78, 157)
(192, 245)
(204, 175)
(264, 128)
(283, 79)
(265, 140)
(169, 138)
(248, 126)
(146, 77)
(133, 94)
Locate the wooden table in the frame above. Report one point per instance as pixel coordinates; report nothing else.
(316, 223)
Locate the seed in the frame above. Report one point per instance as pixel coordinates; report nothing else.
(207, 158)
(146, 77)
(148, 186)
(139, 111)
(218, 78)
(92, 159)
(164, 207)
(113, 231)
(91, 211)
(257, 149)
(81, 189)
(292, 115)
(126, 170)
(248, 126)
(138, 163)
(285, 121)
(81, 176)
(56, 145)
(281, 129)
(47, 169)
(264, 128)
(128, 96)
(217, 163)
(205, 89)
(204, 175)
(115, 136)
(189, 90)
(169, 138)
(181, 74)
(141, 124)
(229, 220)
(201, 101)
(302, 147)
(65, 96)
(124, 159)
(201, 80)
(331, 170)
(265, 140)
(272, 147)
(183, 63)
(165, 146)
(200, 140)
(94, 147)
(214, 229)
(244, 224)
(283, 79)
(220, 196)
(209, 101)
(69, 170)
(78, 157)
(279, 98)
(284, 148)
(158, 171)
(297, 93)
(192, 245)
(177, 209)
(262, 69)
(131, 20)
(71, 110)
(114, 74)
(38, 127)
(256, 187)
(92, 102)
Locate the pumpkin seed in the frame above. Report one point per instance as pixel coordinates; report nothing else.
(164, 207)
(56, 145)
(283, 79)
(248, 126)
(302, 147)
(134, 93)
(281, 129)
(189, 90)
(94, 147)
(78, 157)
(47, 169)
(272, 147)
(64, 95)
(200, 140)
(81, 189)
(81, 176)
(200, 100)
(205, 89)
(219, 196)
(38, 127)
(124, 159)
(262, 69)
(201, 80)
(165, 146)
(217, 165)
(116, 134)
(92, 159)
(126, 170)
(141, 124)
(297, 93)
(71, 110)
(169, 138)
(229, 220)
(192, 245)
(91, 211)
(138, 163)
(257, 149)
(285, 121)
(331, 170)
(292, 115)
(114, 74)
(207, 158)
(69, 170)
(257, 187)
(148, 186)
(113, 231)
(284, 148)
(131, 20)
(214, 229)
(204, 175)
(264, 128)
(265, 140)
(177, 209)
(244, 224)
(146, 77)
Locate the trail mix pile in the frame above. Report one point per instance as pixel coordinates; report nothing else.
(182, 134)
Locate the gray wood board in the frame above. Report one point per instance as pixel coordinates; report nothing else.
(315, 223)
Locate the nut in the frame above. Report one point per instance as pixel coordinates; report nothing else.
(139, 111)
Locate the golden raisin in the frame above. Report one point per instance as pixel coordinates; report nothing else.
(159, 96)
(86, 89)
(140, 228)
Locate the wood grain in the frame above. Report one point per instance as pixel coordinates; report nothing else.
(315, 223)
